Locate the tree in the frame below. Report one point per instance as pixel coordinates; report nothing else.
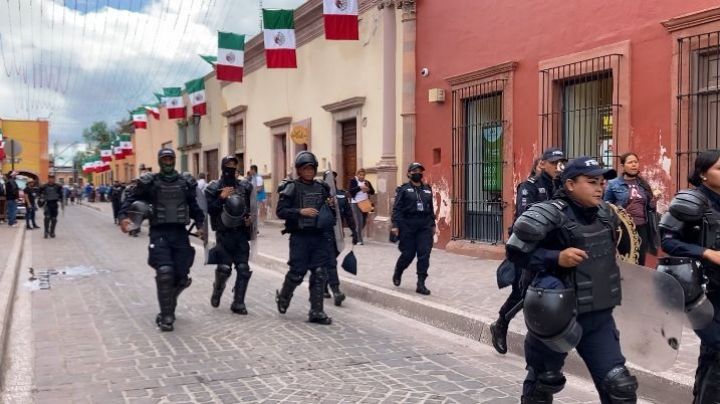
(97, 134)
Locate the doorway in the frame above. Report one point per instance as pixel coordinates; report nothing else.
(348, 146)
(211, 164)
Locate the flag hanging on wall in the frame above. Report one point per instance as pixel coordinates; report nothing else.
(195, 90)
(139, 117)
(117, 150)
(106, 152)
(231, 56)
(341, 19)
(174, 102)
(154, 110)
(212, 60)
(126, 145)
(279, 34)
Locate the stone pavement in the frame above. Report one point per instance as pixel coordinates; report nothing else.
(94, 339)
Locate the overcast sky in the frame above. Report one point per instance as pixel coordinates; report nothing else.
(79, 61)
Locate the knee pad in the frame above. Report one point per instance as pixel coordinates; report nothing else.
(549, 382)
(165, 273)
(620, 385)
(243, 270)
(294, 279)
(224, 270)
(320, 274)
(707, 381)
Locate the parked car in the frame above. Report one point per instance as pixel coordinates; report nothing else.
(21, 207)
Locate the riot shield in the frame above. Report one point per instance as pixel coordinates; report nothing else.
(339, 239)
(651, 316)
(207, 246)
(254, 215)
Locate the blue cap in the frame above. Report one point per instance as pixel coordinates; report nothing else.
(553, 154)
(586, 166)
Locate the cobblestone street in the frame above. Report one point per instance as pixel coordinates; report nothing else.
(94, 339)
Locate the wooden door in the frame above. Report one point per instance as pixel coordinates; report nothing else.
(349, 153)
(211, 165)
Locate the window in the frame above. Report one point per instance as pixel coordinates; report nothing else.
(698, 98)
(239, 137)
(477, 161)
(579, 110)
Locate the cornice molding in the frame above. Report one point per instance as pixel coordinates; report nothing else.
(693, 19)
(278, 122)
(234, 111)
(481, 74)
(344, 104)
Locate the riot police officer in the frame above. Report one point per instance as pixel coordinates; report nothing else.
(691, 229)
(116, 193)
(228, 202)
(346, 214)
(569, 242)
(413, 221)
(173, 199)
(50, 196)
(304, 204)
(537, 188)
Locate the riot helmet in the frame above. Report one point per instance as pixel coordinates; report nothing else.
(304, 158)
(229, 174)
(166, 167)
(551, 317)
(137, 212)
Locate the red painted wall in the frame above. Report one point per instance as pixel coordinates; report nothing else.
(458, 36)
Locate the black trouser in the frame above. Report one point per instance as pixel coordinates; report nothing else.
(644, 237)
(50, 213)
(519, 285)
(308, 251)
(30, 217)
(416, 239)
(233, 247)
(709, 357)
(115, 208)
(331, 269)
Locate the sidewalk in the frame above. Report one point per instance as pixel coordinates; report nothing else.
(464, 300)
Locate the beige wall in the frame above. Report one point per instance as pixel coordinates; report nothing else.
(147, 142)
(213, 126)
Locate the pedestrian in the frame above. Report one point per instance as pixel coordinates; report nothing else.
(413, 221)
(228, 204)
(631, 192)
(537, 188)
(690, 229)
(3, 200)
(304, 204)
(346, 215)
(12, 193)
(569, 242)
(73, 194)
(31, 193)
(174, 202)
(201, 185)
(360, 190)
(259, 185)
(116, 194)
(51, 196)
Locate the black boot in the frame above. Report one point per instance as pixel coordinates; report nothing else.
(421, 285)
(326, 292)
(165, 280)
(338, 295)
(397, 276)
(222, 273)
(499, 330)
(241, 284)
(285, 294)
(46, 224)
(317, 285)
(53, 222)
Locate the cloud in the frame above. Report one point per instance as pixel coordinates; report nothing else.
(75, 66)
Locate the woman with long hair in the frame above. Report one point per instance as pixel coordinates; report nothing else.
(360, 190)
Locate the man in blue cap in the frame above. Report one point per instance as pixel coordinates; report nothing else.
(569, 244)
(538, 188)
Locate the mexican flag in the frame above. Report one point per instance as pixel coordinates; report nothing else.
(196, 92)
(106, 152)
(161, 99)
(117, 151)
(341, 19)
(231, 56)
(279, 36)
(126, 145)
(104, 166)
(139, 117)
(154, 110)
(2, 146)
(174, 102)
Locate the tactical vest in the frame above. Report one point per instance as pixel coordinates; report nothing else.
(597, 279)
(308, 196)
(52, 193)
(215, 220)
(710, 236)
(170, 202)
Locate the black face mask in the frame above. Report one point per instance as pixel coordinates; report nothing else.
(416, 177)
(228, 173)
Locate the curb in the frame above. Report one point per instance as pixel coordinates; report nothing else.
(652, 386)
(8, 284)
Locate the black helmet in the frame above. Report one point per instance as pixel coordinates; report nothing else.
(304, 158)
(229, 158)
(137, 212)
(415, 165)
(166, 152)
(234, 211)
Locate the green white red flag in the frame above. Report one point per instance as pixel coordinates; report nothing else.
(139, 117)
(2, 146)
(117, 151)
(231, 56)
(174, 102)
(154, 110)
(341, 19)
(279, 34)
(106, 152)
(195, 90)
(126, 145)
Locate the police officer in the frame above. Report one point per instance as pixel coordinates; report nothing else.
(228, 202)
(173, 199)
(537, 188)
(51, 196)
(116, 193)
(413, 221)
(342, 197)
(570, 243)
(305, 205)
(691, 228)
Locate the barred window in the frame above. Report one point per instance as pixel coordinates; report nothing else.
(698, 100)
(477, 162)
(579, 107)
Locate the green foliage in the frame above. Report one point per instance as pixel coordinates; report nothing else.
(97, 134)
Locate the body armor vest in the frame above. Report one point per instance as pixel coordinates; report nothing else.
(597, 279)
(215, 220)
(170, 204)
(52, 193)
(710, 238)
(308, 196)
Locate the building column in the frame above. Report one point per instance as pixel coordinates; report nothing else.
(408, 82)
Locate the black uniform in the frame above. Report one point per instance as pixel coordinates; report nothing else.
(116, 194)
(414, 215)
(309, 238)
(343, 199)
(52, 195)
(31, 208)
(232, 236)
(691, 225)
(173, 200)
(568, 308)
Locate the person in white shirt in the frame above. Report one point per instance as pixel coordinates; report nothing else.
(259, 183)
(360, 189)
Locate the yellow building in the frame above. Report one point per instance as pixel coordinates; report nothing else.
(33, 139)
